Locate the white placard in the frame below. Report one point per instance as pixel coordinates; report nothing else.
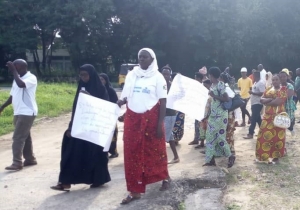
(95, 120)
(188, 96)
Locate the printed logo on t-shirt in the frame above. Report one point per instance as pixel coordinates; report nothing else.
(137, 89)
(165, 87)
(146, 90)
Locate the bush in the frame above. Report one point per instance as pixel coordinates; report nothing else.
(53, 100)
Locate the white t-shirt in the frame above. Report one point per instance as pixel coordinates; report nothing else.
(23, 99)
(263, 74)
(147, 92)
(229, 91)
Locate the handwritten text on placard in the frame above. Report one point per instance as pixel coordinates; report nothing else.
(188, 96)
(95, 120)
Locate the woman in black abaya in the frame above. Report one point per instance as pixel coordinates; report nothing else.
(113, 97)
(83, 162)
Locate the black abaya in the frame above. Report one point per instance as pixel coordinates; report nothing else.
(83, 162)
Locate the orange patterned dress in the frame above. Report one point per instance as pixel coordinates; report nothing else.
(271, 139)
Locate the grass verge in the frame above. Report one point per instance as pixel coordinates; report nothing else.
(53, 99)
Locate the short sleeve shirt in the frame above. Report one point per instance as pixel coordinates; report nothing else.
(258, 87)
(245, 85)
(147, 92)
(263, 75)
(23, 99)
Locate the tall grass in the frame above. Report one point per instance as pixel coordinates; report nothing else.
(53, 99)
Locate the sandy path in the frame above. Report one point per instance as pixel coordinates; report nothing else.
(29, 188)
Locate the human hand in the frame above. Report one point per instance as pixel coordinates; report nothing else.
(121, 118)
(68, 133)
(11, 66)
(122, 102)
(211, 93)
(85, 92)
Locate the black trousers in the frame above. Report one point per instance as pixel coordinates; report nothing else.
(244, 110)
(256, 117)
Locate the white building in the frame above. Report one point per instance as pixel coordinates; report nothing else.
(60, 59)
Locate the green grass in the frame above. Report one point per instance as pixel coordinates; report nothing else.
(53, 100)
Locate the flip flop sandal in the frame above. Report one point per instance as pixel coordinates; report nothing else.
(211, 163)
(174, 161)
(129, 199)
(165, 185)
(60, 187)
(248, 137)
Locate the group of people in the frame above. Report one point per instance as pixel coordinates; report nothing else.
(270, 95)
(148, 124)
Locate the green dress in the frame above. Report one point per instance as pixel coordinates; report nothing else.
(216, 144)
(290, 105)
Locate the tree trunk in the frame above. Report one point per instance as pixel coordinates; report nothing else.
(44, 51)
(37, 62)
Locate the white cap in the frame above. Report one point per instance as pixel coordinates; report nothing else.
(244, 69)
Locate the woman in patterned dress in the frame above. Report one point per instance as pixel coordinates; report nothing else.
(290, 105)
(178, 129)
(271, 140)
(231, 117)
(203, 123)
(216, 144)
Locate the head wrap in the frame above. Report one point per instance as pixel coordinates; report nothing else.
(113, 97)
(139, 72)
(107, 82)
(269, 80)
(94, 86)
(203, 70)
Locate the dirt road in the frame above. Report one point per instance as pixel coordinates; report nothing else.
(29, 188)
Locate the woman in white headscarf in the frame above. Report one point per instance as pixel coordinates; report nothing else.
(269, 77)
(145, 157)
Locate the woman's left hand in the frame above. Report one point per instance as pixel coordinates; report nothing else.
(159, 132)
(85, 92)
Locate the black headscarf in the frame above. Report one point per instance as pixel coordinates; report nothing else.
(94, 86)
(111, 91)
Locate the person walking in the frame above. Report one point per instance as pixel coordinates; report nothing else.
(199, 77)
(145, 155)
(170, 119)
(216, 144)
(113, 97)
(245, 85)
(257, 91)
(22, 97)
(83, 162)
(231, 116)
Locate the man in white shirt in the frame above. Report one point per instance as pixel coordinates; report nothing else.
(263, 73)
(22, 97)
(256, 106)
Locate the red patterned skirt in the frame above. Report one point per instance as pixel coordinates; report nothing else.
(145, 155)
